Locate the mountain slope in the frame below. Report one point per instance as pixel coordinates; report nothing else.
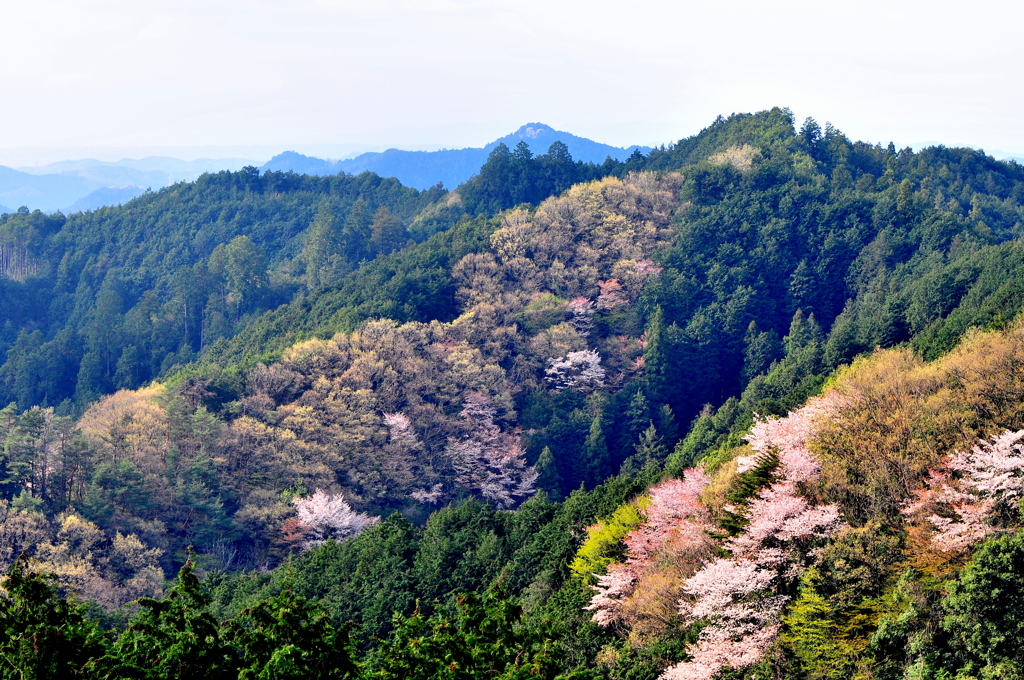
(108, 196)
(141, 287)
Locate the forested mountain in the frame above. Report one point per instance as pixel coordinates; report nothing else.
(749, 405)
(452, 167)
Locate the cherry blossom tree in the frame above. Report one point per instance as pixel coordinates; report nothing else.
(676, 528)
(580, 371)
(648, 268)
(399, 427)
(612, 295)
(323, 516)
(488, 461)
(788, 437)
(737, 595)
(964, 499)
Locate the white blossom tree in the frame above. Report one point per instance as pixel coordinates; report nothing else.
(323, 516)
(580, 371)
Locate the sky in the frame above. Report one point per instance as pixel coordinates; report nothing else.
(249, 78)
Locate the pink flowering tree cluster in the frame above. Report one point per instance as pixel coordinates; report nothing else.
(648, 268)
(736, 595)
(488, 461)
(966, 499)
(580, 371)
(675, 529)
(612, 295)
(323, 516)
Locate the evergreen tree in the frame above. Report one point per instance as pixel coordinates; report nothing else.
(175, 637)
(762, 350)
(548, 478)
(802, 332)
(387, 232)
(357, 234)
(657, 358)
(42, 635)
(668, 430)
(128, 374)
(650, 448)
(595, 456)
(483, 638)
(637, 419)
(321, 250)
(288, 637)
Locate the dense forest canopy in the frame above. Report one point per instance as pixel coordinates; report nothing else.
(726, 409)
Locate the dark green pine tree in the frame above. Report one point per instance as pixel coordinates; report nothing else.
(548, 478)
(803, 330)
(322, 247)
(523, 175)
(657, 359)
(388, 234)
(483, 638)
(42, 635)
(651, 447)
(175, 637)
(637, 419)
(668, 429)
(762, 349)
(595, 457)
(356, 234)
(288, 637)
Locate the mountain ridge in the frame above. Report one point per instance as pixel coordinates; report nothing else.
(424, 169)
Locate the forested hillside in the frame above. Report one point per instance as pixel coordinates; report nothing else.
(110, 299)
(749, 405)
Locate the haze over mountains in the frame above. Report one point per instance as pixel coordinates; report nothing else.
(88, 184)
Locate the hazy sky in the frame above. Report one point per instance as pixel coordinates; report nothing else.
(237, 75)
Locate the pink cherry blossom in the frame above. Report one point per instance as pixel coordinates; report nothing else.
(970, 490)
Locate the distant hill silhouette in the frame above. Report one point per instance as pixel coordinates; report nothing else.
(46, 192)
(424, 169)
(80, 184)
(104, 197)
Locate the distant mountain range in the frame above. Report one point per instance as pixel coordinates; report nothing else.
(424, 169)
(89, 184)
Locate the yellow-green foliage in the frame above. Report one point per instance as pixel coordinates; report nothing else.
(604, 540)
(812, 634)
(904, 415)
